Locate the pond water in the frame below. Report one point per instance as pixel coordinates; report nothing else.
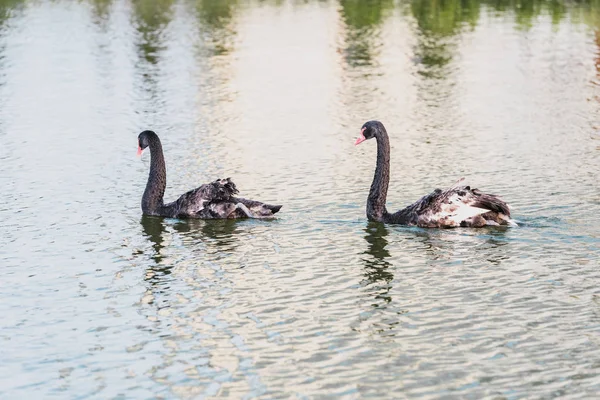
(100, 302)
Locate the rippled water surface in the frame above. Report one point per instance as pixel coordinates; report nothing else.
(100, 302)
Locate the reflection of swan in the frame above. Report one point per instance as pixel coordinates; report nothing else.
(154, 228)
(213, 239)
(446, 245)
(213, 229)
(219, 233)
(376, 266)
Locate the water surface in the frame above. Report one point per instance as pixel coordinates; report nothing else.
(100, 302)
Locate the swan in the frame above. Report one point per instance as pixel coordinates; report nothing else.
(458, 206)
(213, 200)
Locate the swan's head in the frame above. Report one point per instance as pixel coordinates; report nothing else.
(144, 139)
(369, 130)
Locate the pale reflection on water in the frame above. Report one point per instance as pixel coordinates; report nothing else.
(99, 301)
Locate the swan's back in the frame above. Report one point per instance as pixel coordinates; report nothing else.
(216, 200)
(454, 207)
(197, 202)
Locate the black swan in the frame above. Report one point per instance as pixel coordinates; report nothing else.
(213, 200)
(453, 207)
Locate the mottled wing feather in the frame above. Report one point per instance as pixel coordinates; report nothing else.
(211, 200)
(257, 208)
(490, 202)
(456, 206)
(216, 200)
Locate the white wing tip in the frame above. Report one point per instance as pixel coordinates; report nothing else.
(465, 212)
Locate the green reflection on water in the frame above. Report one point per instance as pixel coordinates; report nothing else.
(151, 18)
(439, 23)
(449, 17)
(101, 10)
(436, 21)
(444, 18)
(215, 18)
(362, 19)
(8, 9)
(215, 13)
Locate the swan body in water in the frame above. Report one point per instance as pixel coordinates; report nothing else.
(213, 200)
(458, 206)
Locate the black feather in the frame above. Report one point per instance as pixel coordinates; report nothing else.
(209, 201)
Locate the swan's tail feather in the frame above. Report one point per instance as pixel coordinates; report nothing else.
(508, 221)
(490, 202)
(274, 209)
(259, 209)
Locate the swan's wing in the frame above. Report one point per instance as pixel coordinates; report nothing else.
(458, 206)
(489, 201)
(449, 209)
(211, 200)
(257, 209)
(219, 190)
(216, 200)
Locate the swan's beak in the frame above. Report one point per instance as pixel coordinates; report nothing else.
(361, 138)
(140, 151)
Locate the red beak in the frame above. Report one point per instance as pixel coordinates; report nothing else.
(139, 152)
(361, 138)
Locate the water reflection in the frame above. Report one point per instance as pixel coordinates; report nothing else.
(483, 244)
(217, 234)
(376, 265)
(362, 19)
(437, 23)
(7, 9)
(215, 22)
(156, 272)
(210, 240)
(446, 18)
(596, 129)
(101, 12)
(595, 135)
(151, 19)
(527, 10)
(154, 229)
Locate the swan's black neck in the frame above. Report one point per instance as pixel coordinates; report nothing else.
(152, 201)
(378, 193)
(376, 210)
